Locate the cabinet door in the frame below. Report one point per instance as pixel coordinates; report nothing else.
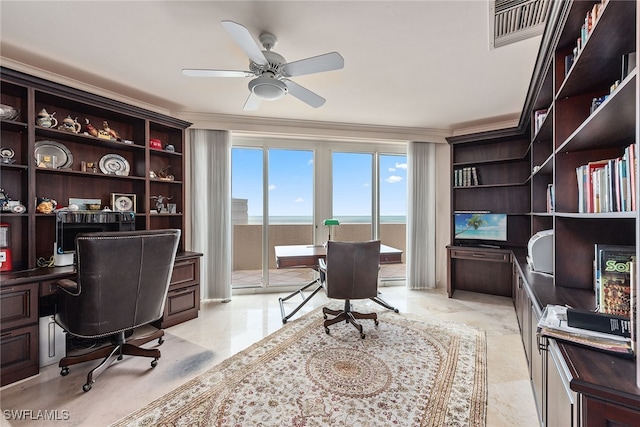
(18, 306)
(537, 362)
(19, 354)
(598, 413)
(561, 401)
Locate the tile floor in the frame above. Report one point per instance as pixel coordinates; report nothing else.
(223, 329)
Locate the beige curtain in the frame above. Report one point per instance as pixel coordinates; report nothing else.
(210, 159)
(421, 218)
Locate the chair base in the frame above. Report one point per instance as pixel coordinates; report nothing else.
(113, 352)
(348, 316)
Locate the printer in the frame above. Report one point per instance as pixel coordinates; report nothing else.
(540, 252)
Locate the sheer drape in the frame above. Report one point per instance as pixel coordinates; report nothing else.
(210, 209)
(421, 218)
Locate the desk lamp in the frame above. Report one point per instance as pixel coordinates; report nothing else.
(330, 223)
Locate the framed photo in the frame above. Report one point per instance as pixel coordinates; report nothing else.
(123, 202)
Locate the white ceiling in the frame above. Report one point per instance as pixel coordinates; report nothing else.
(414, 64)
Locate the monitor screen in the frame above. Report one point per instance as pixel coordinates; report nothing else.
(70, 224)
(480, 226)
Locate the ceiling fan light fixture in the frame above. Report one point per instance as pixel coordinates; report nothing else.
(268, 88)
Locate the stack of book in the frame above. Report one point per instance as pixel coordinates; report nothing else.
(465, 177)
(610, 334)
(608, 185)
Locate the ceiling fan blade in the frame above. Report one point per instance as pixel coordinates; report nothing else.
(317, 64)
(252, 103)
(304, 94)
(244, 39)
(193, 72)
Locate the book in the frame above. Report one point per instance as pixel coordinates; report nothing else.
(629, 62)
(599, 322)
(615, 279)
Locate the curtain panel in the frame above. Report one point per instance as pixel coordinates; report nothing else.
(421, 218)
(210, 161)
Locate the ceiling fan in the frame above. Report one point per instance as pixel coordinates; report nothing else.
(270, 70)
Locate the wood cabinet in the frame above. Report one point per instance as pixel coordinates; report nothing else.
(138, 168)
(489, 173)
(479, 269)
(19, 332)
(183, 298)
(141, 168)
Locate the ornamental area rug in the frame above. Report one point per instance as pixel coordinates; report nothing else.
(408, 371)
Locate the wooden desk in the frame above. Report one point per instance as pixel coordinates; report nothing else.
(307, 256)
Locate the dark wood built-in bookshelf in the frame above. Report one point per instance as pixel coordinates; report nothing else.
(565, 124)
(27, 288)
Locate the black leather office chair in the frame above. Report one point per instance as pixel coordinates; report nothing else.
(122, 282)
(350, 272)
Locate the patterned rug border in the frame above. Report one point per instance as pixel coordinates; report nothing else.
(295, 329)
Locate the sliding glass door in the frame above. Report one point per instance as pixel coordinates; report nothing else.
(283, 190)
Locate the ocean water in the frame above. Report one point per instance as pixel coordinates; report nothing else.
(385, 219)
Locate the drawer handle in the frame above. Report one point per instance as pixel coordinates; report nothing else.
(478, 255)
(6, 290)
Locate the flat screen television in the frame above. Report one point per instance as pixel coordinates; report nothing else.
(480, 227)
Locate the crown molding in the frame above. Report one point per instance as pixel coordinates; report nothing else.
(77, 84)
(301, 128)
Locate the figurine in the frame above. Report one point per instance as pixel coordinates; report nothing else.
(112, 133)
(160, 201)
(46, 120)
(70, 125)
(90, 129)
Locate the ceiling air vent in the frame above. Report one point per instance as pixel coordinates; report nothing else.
(516, 20)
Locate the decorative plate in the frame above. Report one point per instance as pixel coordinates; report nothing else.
(114, 164)
(7, 112)
(64, 158)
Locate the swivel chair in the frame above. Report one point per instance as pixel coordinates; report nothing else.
(350, 272)
(121, 284)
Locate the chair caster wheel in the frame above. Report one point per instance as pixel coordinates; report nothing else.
(64, 371)
(86, 387)
(326, 330)
(154, 363)
(395, 310)
(362, 336)
(325, 317)
(375, 322)
(160, 341)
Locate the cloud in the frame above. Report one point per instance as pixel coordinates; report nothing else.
(299, 200)
(366, 184)
(310, 162)
(392, 169)
(393, 179)
(272, 187)
(401, 165)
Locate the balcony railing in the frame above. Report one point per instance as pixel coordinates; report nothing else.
(247, 250)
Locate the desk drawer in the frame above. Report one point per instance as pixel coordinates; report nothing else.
(185, 273)
(19, 354)
(18, 305)
(481, 255)
(182, 304)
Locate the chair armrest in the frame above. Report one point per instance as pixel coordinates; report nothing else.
(69, 286)
(322, 264)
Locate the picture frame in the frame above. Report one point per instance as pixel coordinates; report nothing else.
(122, 202)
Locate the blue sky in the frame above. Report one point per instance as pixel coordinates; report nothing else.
(291, 182)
